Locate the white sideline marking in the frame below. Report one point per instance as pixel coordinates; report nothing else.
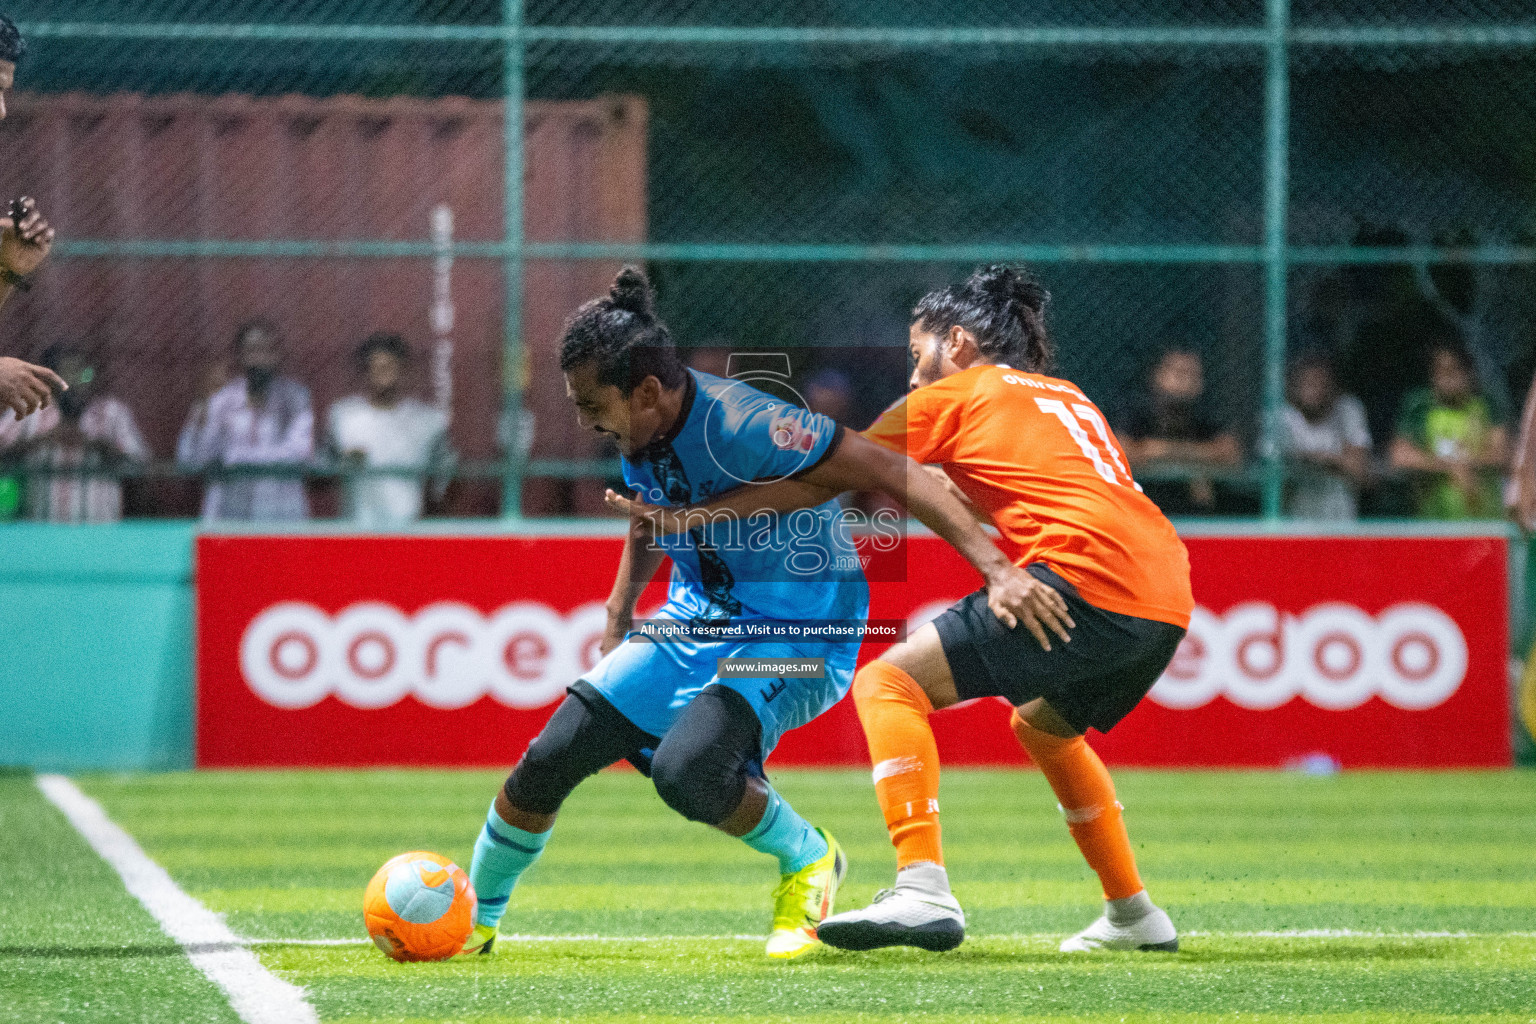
(255, 994)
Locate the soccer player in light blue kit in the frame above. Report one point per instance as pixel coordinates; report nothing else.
(660, 702)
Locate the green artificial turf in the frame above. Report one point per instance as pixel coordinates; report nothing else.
(635, 914)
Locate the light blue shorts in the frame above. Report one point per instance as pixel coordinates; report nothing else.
(651, 682)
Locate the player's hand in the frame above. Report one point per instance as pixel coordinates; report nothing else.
(1017, 597)
(659, 520)
(24, 245)
(25, 388)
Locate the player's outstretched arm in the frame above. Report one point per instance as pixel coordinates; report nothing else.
(956, 493)
(1014, 596)
(637, 567)
(859, 464)
(743, 502)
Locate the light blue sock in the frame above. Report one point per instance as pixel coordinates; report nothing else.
(502, 853)
(784, 834)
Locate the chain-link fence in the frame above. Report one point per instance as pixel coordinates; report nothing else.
(1244, 179)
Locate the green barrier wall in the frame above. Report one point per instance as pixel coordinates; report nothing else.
(96, 635)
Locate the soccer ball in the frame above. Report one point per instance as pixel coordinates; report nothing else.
(419, 906)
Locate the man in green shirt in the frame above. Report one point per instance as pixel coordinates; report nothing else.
(1451, 438)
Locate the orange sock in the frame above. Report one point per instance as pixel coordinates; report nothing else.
(894, 712)
(1087, 794)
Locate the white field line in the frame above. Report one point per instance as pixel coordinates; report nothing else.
(1050, 937)
(255, 994)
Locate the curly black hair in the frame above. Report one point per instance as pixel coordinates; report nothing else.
(623, 337)
(12, 46)
(1003, 306)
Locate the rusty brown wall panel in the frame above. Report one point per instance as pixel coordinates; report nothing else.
(237, 167)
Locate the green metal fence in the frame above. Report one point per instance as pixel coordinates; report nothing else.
(1195, 169)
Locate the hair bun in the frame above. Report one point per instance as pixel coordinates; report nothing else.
(632, 292)
(1014, 284)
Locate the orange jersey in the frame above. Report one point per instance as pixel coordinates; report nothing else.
(1040, 460)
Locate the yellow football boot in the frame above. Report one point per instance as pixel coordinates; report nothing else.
(802, 900)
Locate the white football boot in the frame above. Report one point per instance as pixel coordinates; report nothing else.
(1134, 923)
(923, 915)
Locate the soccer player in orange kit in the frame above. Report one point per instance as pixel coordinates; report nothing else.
(1035, 457)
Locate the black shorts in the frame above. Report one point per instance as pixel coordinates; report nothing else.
(1111, 663)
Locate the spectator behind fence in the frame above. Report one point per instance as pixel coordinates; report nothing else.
(384, 428)
(1174, 428)
(259, 419)
(1450, 437)
(1325, 437)
(1520, 496)
(74, 451)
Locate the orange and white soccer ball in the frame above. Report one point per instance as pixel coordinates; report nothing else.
(419, 906)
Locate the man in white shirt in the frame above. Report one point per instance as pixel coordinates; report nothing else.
(385, 429)
(259, 419)
(1325, 438)
(75, 447)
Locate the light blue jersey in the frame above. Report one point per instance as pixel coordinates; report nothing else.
(796, 568)
(801, 565)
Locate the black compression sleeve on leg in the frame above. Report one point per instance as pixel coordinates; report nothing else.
(585, 735)
(701, 766)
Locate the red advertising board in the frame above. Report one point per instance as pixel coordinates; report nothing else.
(434, 650)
